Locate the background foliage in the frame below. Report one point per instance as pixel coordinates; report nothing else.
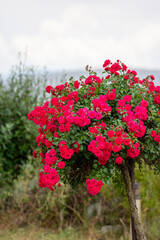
(19, 93)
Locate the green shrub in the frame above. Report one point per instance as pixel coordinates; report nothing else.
(150, 200)
(61, 208)
(19, 93)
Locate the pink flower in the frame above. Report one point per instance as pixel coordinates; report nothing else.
(133, 152)
(107, 62)
(157, 138)
(108, 76)
(124, 67)
(116, 148)
(134, 73)
(49, 180)
(46, 168)
(153, 133)
(88, 81)
(118, 140)
(158, 89)
(126, 77)
(48, 89)
(94, 186)
(128, 107)
(34, 154)
(119, 160)
(126, 142)
(92, 114)
(136, 80)
(98, 116)
(56, 135)
(110, 133)
(111, 96)
(121, 103)
(61, 164)
(152, 88)
(127, 98)
(114, 68)
(144, 103)
(63, 99)
(55, 101)
(61, 120)
(100, 139)
(52, 152)
(76, 84)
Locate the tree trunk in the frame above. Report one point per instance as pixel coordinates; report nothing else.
(131, 173)
(140, 235)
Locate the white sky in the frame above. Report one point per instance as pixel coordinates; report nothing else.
(69, 34)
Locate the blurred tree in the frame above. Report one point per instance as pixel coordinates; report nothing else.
(18, 95)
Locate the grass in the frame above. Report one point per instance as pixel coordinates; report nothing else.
(35, 233)
(32, 233)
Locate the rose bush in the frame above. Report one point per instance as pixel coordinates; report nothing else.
(95, 126)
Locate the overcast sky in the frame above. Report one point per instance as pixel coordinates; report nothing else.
(69, 34)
